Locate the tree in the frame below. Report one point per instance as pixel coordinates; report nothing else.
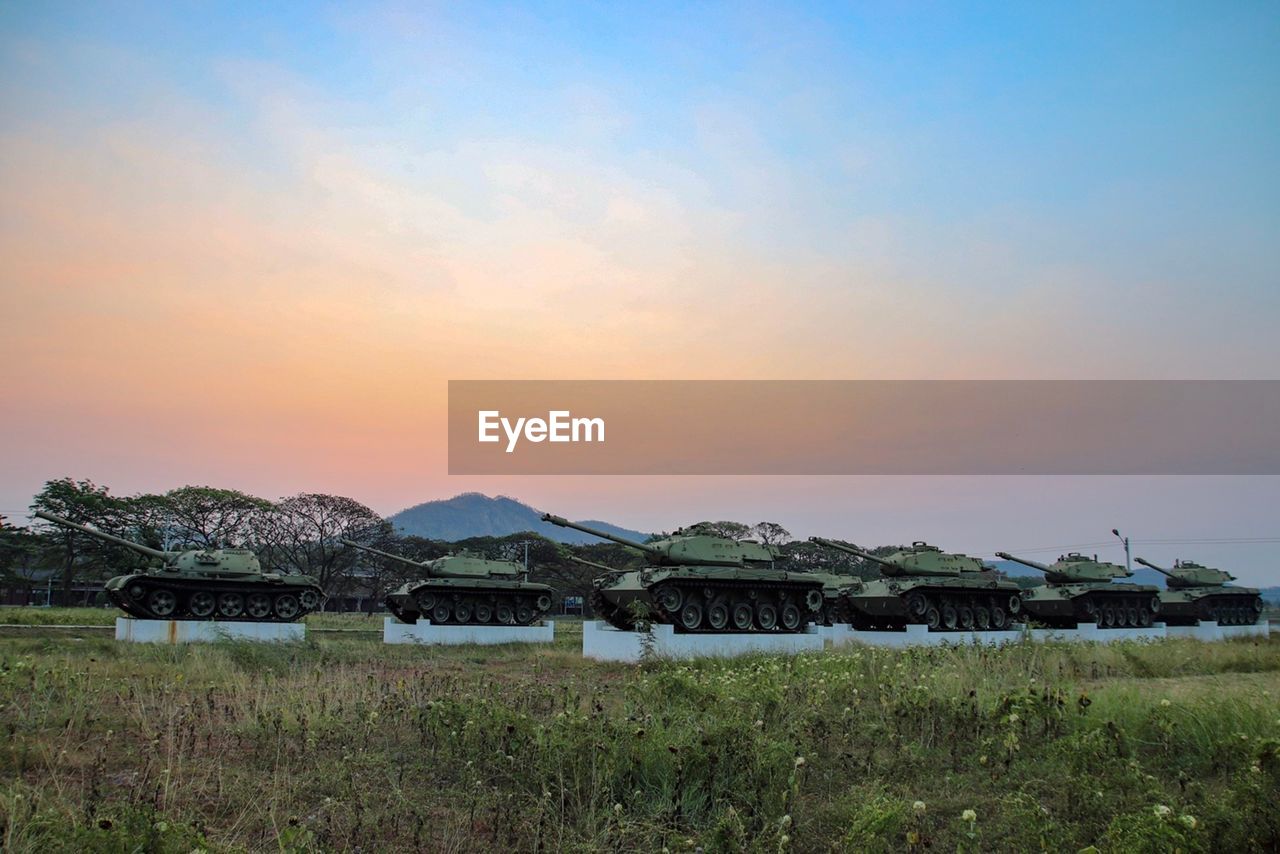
(731, 530)
(304, 534)
(83, 502)
(770, 533)
(205, 517)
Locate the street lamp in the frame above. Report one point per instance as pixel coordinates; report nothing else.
(1127, 566)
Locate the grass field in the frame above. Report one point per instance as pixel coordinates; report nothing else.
(341, 743)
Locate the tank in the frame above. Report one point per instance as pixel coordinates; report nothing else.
(697, 581)
(925, 585)
(465, 588)
(205, 584)
(1080, 589)
(1195, 592)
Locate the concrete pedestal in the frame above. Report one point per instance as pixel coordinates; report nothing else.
(422, 632)
(1091, 633)
(603, 642)
(204, 631)
(919, 635)
(1210, 631)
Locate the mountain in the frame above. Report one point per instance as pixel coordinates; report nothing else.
(473, 514)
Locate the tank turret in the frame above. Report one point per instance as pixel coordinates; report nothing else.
(923, 584)
(1073, 568)
(202, 584)
(465, 588)
(685, 547)
(699, 581)
(1188, 573)
(921, 559)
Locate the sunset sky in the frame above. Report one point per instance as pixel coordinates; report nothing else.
(249, 247)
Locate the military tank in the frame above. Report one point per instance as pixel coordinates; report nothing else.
(697, 581)
(1195, 592)
(205, 584)
(1080, 590)
(925, 585)
(466, 588)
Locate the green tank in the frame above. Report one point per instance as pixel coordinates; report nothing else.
(925, 585)
(1195, 592)
(205, 584)
(1080, 590)
(466, 588)
(697, 581)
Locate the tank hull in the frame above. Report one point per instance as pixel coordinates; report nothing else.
(478, 601)
(183, 597)
(1227, 606)
(707, 599)
(942, 604)
(1109, 606)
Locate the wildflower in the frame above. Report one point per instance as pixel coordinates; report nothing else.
(1165, 703)
(969, 816)
(913, 837)
(1189, 821)
(162, 826)
(799, 761)
(1013, 718)
(1162, 811)
(918, 807)
(982, 760)
(785, 839)
(617, 809)
(786, 821)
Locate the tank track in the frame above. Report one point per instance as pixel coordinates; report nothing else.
(1225, 609)
(609, 612)
(1119, 609)
(946, 610)
(478, 606)
(151, 598)
(734, 596)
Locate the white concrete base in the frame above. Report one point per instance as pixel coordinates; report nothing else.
(1210, 631)
(603, 642)
(422, 632)
(131, 630)
(1088, 632)
(919, 635)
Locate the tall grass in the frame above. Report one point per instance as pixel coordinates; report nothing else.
(340, 742)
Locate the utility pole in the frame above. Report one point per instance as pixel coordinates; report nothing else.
(1128, 567)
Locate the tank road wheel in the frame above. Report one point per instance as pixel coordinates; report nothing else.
(999, 621)
(1108, 618)
(202, 604)
(791, 617)
(1014, 605)
(742, 616)
(718, 616)
(814, 600)
(1132, 613)
(462, 612)
(504, 614)
(483, 612)
(1092, 613)
(949, 617)
(137, 591)
(230, 605)
(426, 602)
(162, 603)
(440, 613)
(310, 599)
(932, 618)
(965, 615)
(917, 604)
(258, 606)
(981, 617)
(1144, 616)
(287, 606)
(669, 599)
(691, 616)
(544, 602)
(766, 616)
(524, 614)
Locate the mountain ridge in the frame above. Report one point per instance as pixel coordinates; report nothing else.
(474, 514)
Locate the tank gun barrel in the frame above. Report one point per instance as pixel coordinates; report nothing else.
(832, 544)
(593, 564)
(1024, 561)
(595, 532)
(380, 553)
(110, 538)
(1160, 569)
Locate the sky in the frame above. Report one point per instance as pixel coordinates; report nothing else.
(249, 246)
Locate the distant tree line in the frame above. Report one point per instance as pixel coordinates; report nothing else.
(303, 534)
